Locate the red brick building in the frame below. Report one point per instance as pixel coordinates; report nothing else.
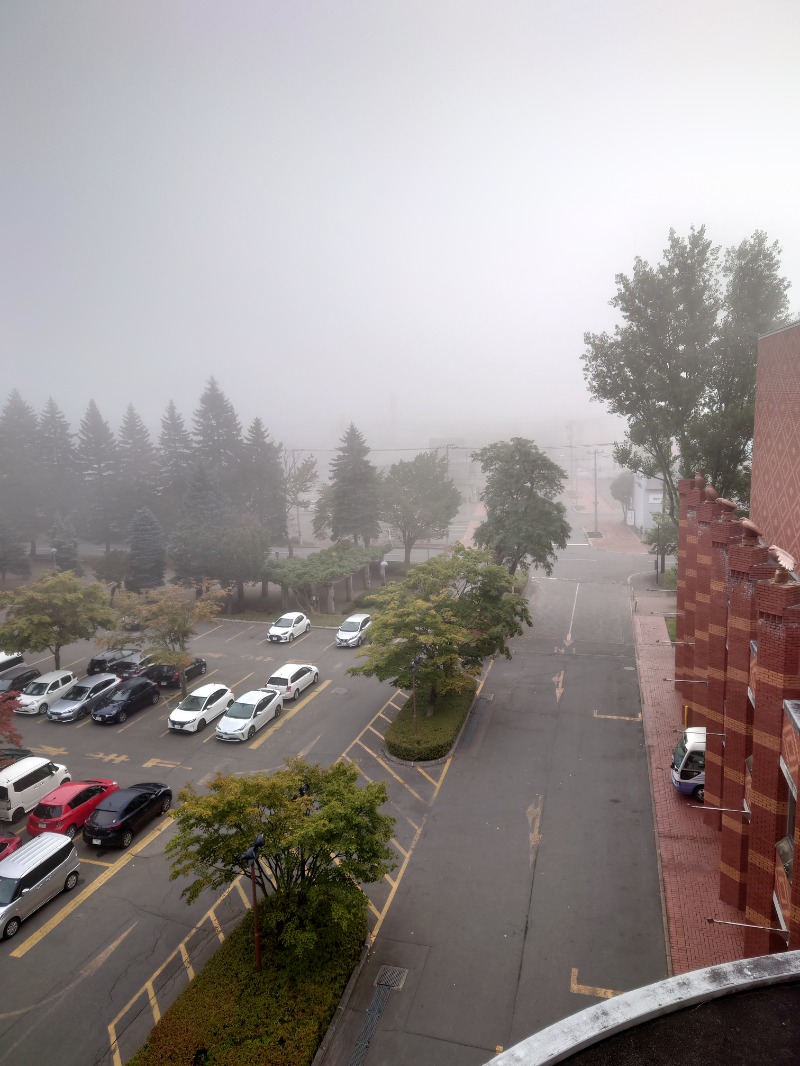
(738, 656)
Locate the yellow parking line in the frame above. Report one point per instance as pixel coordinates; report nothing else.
(284, 718)
(389, 770)
(426, 776)
(589, 990)
(186, 961)
(399, 878)
(73, 905)
(401, 850)
(217, 927)
(151, 998)
(95, 862)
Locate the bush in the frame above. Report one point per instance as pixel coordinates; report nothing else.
(436, 733)
(230, 1014)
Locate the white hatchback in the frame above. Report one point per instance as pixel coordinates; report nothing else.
(291, 678)
(39, 695)
(200, 707)
(288, 627)
(248, 713)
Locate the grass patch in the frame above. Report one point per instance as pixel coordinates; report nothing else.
(671, 628)
(230, 1014)
(436, 733)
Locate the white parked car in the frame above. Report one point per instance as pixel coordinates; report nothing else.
(353, 631)
(200, 707)
(248, 713)
(291, 678)
(39, 695)
(288, 627)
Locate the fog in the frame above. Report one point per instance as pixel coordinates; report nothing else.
(401, 214)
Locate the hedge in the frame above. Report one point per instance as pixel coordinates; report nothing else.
(436, 733)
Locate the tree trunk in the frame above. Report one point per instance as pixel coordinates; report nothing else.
(57, 656)
(407, 546)
(348, 588)
(240, 594)
(284, 597)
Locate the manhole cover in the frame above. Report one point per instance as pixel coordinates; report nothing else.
(391, 977)
(339, 691)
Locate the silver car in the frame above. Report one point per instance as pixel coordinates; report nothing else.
(82, 697)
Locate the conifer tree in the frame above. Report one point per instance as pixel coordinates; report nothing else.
(13, 559)
(217, 432)
(56, 456)
(64, 542)
(264, 487)
(147, 552)
(20, 472)
(96, 461)
(136, 482)
(354, 496)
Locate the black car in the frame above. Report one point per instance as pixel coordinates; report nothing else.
(104, 660)
(167, 675)
(15, 679)
(134, 664)
(116, 818)
(128, 696)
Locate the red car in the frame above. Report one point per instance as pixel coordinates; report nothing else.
(66, 808)
(9, 844)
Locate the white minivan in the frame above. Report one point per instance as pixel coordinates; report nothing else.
(688, 767)
(24, 782)
(39, 695)
(32, 875)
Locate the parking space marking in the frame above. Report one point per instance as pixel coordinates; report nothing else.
(279, 722)
(589, 990)
(186, 961)
(425, 775)
(95, 862)
(393, 889)
(397, 845)
(619, 717)
(74, 903)
(389, 770)
(242, 680)
(240, 633)
(208, 632)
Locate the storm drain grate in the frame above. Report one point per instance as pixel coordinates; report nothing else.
(390, 978)
(339, 691)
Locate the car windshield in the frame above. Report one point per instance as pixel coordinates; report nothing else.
(119, 695)
(349, 626)
(35, 688)
(6, 683)
(286, 622)
(77, 692)
(680, 753)
(48, 810)
(193, 703)
(240, 710)
(8, 889)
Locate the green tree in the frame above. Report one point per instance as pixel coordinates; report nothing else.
(524, 522)
(20, 471)
(112, 569)
(175, 464)
(217, 432)
(136, 483)
(203, 513)
(263, 481)
(662, 538)
(419, 499)
(622, 491)
(354, 498)
(95, 457)
(233, 553)
(55, 610)
(56, 457)
(447, 616)
(167, 619)
(681, 367)
(322, 834)
(299, 478)
(147, 552)
(64, 542)
(13, 559)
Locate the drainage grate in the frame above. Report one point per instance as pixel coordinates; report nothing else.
(338, 691)
(391, 977)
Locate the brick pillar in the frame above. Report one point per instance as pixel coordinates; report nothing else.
(776, 678)
(723, 532)
(746, 564)
(691, 495)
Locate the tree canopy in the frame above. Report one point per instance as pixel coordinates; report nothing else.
(524, 522)
(350, 508)
(681, 366)
(621, 489)
(419, 499)
(57, 609)
(444, 619)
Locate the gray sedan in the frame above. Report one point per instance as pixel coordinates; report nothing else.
(82, 697)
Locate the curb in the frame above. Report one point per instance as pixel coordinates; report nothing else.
(341, 1007)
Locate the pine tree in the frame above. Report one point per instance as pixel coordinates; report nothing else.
(20, 472)
(96, 461)
(56, 451)
(147, 552)
(202, 520)
(175, 464)
(217, 432)
(136, 482)
(13, 559)
(263, 481)
(64, 542)
(355, 494)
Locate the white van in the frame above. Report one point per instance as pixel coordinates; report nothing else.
(24, 782)
(32, 875)
(689, 763)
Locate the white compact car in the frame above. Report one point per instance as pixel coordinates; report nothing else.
(353, 631)
(288, 627)
(40, 695)
(248, 713)
(200, 707)
(291, 678)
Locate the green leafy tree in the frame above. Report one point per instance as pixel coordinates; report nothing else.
(311, 577)
(622, 490)
(419, 499)
(681, 367)
(662, 538)
(64, 542)
(167, 619)
(217, 432)
(322, 834)
(20, 471)
(447, 616)
(96, 461)
(112, 569)
(353, 503)
(55, 610)
(147, 552)
(299, 477)
(13, 559)
(233, 553)
(524, 522)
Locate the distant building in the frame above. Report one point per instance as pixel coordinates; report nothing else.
(648, 500)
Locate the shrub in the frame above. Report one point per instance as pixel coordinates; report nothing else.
(436, 733)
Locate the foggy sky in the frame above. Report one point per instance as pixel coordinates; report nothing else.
(402, 214)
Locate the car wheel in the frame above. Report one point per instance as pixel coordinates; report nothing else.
(201, 725)
(291, 637)
(166, 803)
(308, 628)
(278, 711)
(71, 831)
(17, 816)
(155, 697)
(203, 668)
(122, 716)
(316, 678)
(127, 838)
(251, 732)
(71, 881)
(11, 928)
(699, 794)
(43, 708)
(296, 694)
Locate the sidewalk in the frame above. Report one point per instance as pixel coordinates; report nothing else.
(688, 848)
